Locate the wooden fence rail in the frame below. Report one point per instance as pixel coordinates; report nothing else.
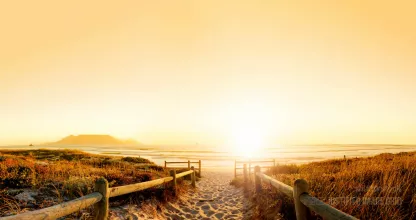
(250, 163)
(304, 203)
(99, 199)
(185, 162)
(184, 174)
(287, 190)
(59, 210)
(122, 190)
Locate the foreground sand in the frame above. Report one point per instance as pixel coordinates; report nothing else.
(214, 198)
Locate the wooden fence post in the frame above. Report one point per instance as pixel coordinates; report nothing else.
(101, 208)
(200, 168)
(249, 169)
(245, 173)
(173, 175)
(189, 168)
(193, 176)
(257, 179)
(235, 168)
(165, 164)
(301, 187)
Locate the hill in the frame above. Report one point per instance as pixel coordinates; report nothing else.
(88, 139)
(36, 179)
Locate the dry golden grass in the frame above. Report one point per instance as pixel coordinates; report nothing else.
(61, 175)
(379, 187)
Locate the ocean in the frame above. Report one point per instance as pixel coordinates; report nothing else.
(216, 157)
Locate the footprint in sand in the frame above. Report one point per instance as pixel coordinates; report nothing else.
(219, 215)
(205, 207)
(213, 198)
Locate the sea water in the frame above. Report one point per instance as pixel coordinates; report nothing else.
(217, 157)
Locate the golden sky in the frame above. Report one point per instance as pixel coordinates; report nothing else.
(202, 71)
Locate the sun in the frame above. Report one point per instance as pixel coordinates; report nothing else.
(249, 126)
(247, 142)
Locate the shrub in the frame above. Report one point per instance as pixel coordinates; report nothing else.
(19, 177)
(135, 160)
(77, 187)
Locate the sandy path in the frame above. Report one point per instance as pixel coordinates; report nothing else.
(213, 198)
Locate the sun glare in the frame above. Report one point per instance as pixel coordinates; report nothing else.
(249, 127)
(247, 142)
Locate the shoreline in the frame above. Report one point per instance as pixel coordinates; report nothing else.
(218, 159)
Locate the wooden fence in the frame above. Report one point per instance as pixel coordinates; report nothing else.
(251, 164)
(304, 203)
(99, 198)
(185, 162)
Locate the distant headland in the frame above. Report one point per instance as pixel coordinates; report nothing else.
(93, 139)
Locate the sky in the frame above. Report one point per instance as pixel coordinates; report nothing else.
(209, 72)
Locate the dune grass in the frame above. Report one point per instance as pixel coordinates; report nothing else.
(379, 187)
(62, 175)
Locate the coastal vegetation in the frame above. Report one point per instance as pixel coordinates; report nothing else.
(379, 187)
(35, 179)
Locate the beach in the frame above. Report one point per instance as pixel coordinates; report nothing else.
(213, 198)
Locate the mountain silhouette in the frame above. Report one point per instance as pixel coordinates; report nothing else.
(93, 139)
